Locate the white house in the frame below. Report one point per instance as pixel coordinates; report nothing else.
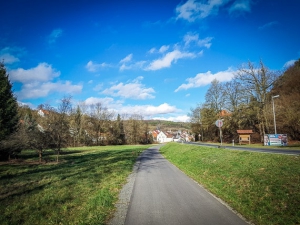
(164, 137)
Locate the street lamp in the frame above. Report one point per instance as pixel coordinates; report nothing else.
(275, 96)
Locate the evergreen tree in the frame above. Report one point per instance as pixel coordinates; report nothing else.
(9, 118)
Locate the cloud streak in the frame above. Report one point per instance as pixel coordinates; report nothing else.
(168, 59)
(203, 79)
(133, 90)
(193, 10)
(268, 25)
(120, 108)
(95, 67)
(55, 34)
(36, 82)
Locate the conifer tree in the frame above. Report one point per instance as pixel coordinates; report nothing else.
(9, 118)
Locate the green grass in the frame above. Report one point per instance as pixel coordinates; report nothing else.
(293, 146)
(81, 189)
(264, 188)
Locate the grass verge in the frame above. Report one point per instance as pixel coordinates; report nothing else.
(81, 189)
(264, 188)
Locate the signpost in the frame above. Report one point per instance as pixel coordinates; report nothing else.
(219, 123)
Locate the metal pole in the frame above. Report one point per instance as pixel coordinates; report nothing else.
(276, 96)
(220, 135)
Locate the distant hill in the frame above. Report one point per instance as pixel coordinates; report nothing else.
(167, 125)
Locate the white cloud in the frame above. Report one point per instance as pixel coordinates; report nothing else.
(8, 58)
(128, 58)
(94, 67)
(98, 87)
(36, 82)
(193, 10)
(55, 34)
(145, 110)
(152, 50)
(149, 110)
(267, 25)
(202, 79)
(43, 72)
(168, 59)
(127, 63)
(188, 38)
(135, 65)
(107, 102)
(241, 6)
(132, 90)
(11, 55)
(194, 38)
(289, 63)
(163, 48)
(37, 90)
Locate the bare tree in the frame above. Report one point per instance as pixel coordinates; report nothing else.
(257, 82)
(233, 95)
(214, 97)
(58, 124)
(134, 130)
(76, 125)
(98, 122)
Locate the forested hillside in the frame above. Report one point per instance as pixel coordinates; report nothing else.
(246, 102)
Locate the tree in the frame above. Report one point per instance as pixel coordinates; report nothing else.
(57, 125)
(214, 97)
(76, 125)
(233, 95)
(9, 118)
(257, 83)
(117, 135)
(37, 138)
(99, 122)
(287, 106)
(134, 130)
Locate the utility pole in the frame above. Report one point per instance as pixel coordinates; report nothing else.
(276, 96)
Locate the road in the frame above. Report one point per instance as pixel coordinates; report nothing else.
(162, 194)
(262, 149)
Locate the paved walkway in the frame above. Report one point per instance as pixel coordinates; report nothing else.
(162, 194)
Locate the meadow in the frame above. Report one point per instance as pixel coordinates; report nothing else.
(81, 189)
(264, 188)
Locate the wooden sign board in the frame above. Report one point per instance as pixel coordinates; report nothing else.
(244, 136)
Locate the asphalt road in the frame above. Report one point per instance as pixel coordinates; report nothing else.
(262, 149)
(162, 194)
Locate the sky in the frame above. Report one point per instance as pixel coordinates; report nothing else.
(151, 57)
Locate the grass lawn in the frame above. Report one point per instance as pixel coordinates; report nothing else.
(294, 146)
(264, 188)
(81, 189)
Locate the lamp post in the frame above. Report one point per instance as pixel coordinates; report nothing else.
(275, 96)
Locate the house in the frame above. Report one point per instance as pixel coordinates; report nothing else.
(154, 134)
(43, 112)
(163, 137)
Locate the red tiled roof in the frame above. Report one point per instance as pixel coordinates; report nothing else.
(224, 113)
(244, 131)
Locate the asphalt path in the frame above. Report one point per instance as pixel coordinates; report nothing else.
(265, 150)
(162, 194)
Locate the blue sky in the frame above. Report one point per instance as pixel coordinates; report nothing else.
(155, 58)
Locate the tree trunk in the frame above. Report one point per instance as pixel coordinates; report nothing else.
(40, 156)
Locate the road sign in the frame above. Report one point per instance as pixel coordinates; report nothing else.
(219, 123)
